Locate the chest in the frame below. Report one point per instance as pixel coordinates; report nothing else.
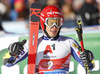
(52, 50)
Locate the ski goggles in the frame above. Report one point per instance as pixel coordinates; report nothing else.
(50, 22)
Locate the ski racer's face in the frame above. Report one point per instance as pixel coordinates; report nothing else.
(52, 31)
(52, 26)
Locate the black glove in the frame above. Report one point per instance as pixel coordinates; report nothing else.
(16, 48)
(86, 56)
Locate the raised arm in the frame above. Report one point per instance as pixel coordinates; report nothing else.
(17, 52)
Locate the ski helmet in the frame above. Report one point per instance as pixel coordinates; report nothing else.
(50, 11)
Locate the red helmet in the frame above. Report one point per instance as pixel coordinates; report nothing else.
(50, 11)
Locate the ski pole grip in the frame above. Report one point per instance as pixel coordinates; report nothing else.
(80, 27)
(79, 34)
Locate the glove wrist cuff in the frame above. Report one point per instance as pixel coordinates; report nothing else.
(12, 54)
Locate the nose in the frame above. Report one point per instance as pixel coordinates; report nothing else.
(54, 26)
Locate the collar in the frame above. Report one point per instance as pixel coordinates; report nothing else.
(44, 37)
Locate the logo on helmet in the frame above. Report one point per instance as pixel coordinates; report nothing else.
(51, 13)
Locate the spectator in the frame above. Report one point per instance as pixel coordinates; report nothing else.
(68, 12)
(13, 14)
(89, 13)
(77, 4)
(21, 9)
(70, 2)
(5, 8)
(69, 15)
(31, 1)
(52, 2)
(98, 2)
(4, 11)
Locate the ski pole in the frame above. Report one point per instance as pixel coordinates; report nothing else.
(80, 37)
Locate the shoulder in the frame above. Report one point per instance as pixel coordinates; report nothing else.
(68, 40)
(65, 38)
(39, 39)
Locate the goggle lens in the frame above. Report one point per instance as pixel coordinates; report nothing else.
(54, 21)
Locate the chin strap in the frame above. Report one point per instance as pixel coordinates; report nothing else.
(47, 34)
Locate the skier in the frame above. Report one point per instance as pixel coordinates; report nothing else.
(54, 51)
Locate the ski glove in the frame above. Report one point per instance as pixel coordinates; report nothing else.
(16, 48)
(86, 56)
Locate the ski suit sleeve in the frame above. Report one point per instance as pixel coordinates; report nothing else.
(9, 60)
(76, 54)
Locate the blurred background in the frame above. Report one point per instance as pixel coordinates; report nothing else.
(14, 26)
